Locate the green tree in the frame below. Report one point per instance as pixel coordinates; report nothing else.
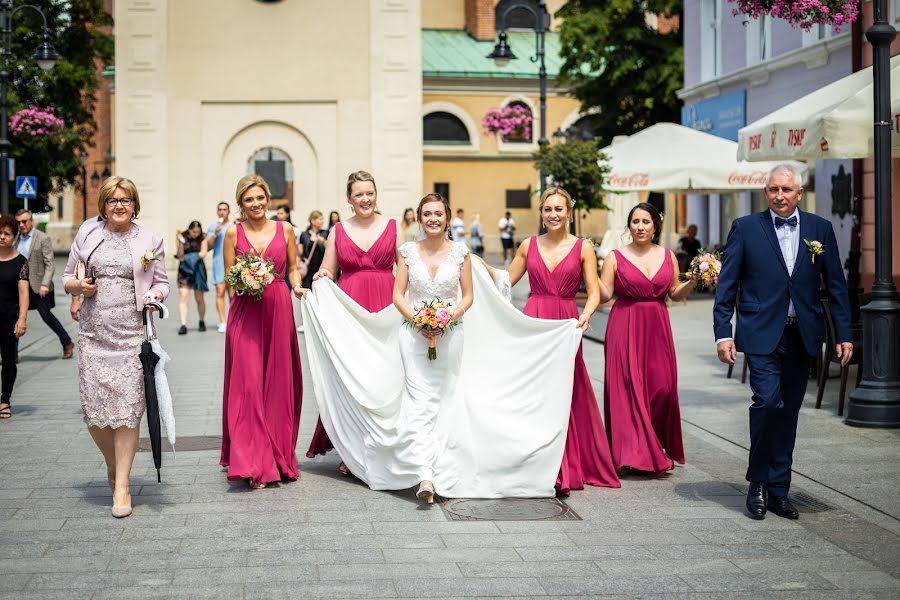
(77, 33)
(578, 167)
(614, 60)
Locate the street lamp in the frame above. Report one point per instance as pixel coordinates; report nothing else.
(84, 179)
(502, 54)
(45, 56)
(876, 401)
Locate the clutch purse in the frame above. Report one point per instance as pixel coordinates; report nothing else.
(80, 270)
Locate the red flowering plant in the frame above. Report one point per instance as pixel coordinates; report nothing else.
(802, 13)
(34, 125)
(513, 122)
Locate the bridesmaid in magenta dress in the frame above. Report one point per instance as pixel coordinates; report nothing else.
(366, 263)
(556, 263)
(263, 387)
(640, 391)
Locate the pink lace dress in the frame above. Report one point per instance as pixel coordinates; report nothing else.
(109, 341)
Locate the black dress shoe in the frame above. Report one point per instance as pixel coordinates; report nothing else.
(202, 326)
(757, 499)
(182, 330)
(782, 507)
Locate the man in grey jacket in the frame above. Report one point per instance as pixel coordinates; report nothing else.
(34, 245)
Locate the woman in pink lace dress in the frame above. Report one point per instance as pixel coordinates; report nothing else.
(640, 389)
(263, 383)
(120, 279)
(364, 249)
(556, 263)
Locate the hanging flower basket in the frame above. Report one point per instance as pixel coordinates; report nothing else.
(35, 125)
(513, 122)
(802, 13)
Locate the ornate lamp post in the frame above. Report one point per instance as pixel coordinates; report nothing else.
(45, 56)
(502, 54)
(876, 402)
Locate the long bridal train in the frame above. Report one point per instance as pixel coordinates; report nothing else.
(501, 433)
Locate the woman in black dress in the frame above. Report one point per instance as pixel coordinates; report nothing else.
(13, 308)
(192, 274)
(312, 246)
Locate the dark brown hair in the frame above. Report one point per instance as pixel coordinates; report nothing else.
(9, 222)
(655, 216)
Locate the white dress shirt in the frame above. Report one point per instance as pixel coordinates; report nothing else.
(788, 241)
(25, 244)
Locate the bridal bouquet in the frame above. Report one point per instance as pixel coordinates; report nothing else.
(705, 267)
(433, 316)
(250, 275)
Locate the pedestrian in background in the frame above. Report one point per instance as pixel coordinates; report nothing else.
(688, 248)
(121, 266)
(458, 227)
(409, 225)
(283, 214)
(192, 250)
(476, 236)
(36, 247)
(334, 217)
(215, 237)
(507, 227)
(14, 294)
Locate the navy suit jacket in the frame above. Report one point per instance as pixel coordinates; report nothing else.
(754, 273)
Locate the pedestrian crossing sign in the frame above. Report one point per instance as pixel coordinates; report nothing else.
(26, 187)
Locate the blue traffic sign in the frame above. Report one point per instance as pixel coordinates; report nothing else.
(26, 187)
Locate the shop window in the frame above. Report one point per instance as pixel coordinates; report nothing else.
(443, 189)
(816, 33)
(759, 36)
(710, 44)
(444, 128)
(518, 198)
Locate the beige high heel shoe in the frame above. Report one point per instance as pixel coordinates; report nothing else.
(426, 492)
(123, 511)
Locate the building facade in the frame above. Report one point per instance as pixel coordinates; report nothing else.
(737, 70)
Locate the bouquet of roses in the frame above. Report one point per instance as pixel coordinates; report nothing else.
(433, 316)
(250, 275)
(705, 267)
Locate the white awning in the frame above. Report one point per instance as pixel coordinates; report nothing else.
(669, 157)
(836, 121)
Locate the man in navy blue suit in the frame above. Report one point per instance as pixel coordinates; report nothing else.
(774, 265)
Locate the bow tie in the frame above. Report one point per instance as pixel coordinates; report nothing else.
(791, 222)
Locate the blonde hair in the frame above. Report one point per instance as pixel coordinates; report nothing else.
(358, 176)
(315, 215)
(109, 187)
(556, 190)
(245, 183)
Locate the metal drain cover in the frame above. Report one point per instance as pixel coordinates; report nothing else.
(808, 504)
(509, 509)
(188, 443)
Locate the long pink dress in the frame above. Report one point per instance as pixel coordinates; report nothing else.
(263, 386)
(640, 391)
(368, 278)
(586, 459)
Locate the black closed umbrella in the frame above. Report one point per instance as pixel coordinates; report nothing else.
(149, 360)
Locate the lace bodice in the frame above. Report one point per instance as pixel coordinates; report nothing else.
(445, 285)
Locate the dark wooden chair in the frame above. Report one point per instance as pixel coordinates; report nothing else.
(830, 357)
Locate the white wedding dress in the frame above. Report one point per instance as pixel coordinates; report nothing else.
(487, 419)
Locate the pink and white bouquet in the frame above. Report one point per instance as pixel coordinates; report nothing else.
(250, 275)
(433, 316)
(705, 267)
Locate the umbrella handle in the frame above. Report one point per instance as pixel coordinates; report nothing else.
(147, 316)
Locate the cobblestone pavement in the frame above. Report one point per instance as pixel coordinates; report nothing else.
(326, 536)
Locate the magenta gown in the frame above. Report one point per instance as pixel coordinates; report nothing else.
(640, 391)
(368, 278)
(586, 459)
(263, 382)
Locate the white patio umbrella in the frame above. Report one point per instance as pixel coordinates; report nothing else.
(833, 122)
(670, 158)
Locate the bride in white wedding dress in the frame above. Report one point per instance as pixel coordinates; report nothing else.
(487, 419)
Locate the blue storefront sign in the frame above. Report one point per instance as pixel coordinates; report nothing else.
(722, 116)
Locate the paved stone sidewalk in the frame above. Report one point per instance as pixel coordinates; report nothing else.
(326, 536)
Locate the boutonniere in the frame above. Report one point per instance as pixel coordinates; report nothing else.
(146, 258)
(815, 248)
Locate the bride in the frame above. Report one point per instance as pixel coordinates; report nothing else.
(486, 419)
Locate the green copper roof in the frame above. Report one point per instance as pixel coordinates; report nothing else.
(454, 53)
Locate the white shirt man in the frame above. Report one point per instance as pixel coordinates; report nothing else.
(458, 228)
